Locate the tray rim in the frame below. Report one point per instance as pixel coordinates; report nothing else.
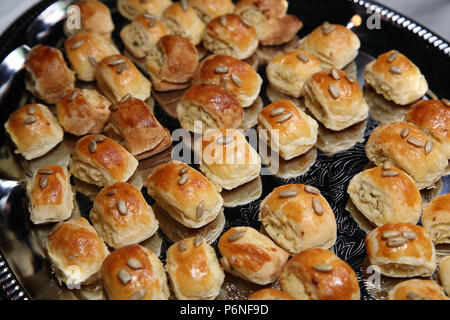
(10, 286)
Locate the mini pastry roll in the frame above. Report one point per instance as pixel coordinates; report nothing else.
(194, 270)
(229, 35)
(134, 273)
(171, 63)
(99, 160)
(121, 215)
(48, 77)
(185, 194)
(50, 195)
(84, 50)
(444, 273)
(333, 44)
(234, 75)
(278, 31)
(249, 254)
(436, 219)
(318, 274)
(75, 252)
(386, 194)
(396, 77)
(287, 129)
(131, 9)
(142, 34)
(181, 19)
(433, 117)
(117, 76)
(34, 130)
(401, 250)
(134, 126)
(94, 16)
(408, 149)
(210, 9)
(269, 294)
(417, 289)
(297, 217)
(210, 106)
(227, 159)
(83, 111)
(288, 72)
(335, 99)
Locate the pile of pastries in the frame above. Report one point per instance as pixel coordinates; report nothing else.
(203, 47)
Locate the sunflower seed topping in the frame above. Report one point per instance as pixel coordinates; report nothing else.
(390, 234)
(111, 192)
(122, 207)
(223, 83)
(198, 241)
(224, 140)
(99, 139)
(236, 235)
(121, 68)
(303, 57)
(223, 20)
(277, 111)
(183, 179)
(125, 98)
(334, 91)
(415, 142)
(311, 189)
(246, 22)
(236, 80)
(323, 267)
(32, 109)
(139, 295)
(73, 95)
(317, 206)
(404, 133)
(184, 5)
(392, 56)
(29, 120)
(408, 235)
(116, 62)
(413, 296)
(285, 117)
(389, 173)
(349, 78)
(428, 146)
(200, 209)
(183, 171)
(149, 16)
(328, 28)
(221, 69)
(76, 45)
(43, 181)
(387, 165)
(182, 246)
(134, 263)
(151, 23)
(446, 102)
(225, 263)
(335, 74)
(395, 70)
(288, 193)
(396, 242)
(92, 146)
(124, 276)
(45, 171)
(92, 61)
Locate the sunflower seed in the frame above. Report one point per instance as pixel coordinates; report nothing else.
(408, 235)
(225, 263)
(285, 117)
(76, 45)
(111, 192)
(415, 142)
(116, 62)
(32, 109)
(43, 181)
(73, 95)
(184, 5)
(446, 102)
(232, 259)
(396, 242)
(246, 22)
(134, 263)
(334, 91)
(317, 206)
(45, 171)
(29, 120)
(311, 189)
(200, 210)
(288, 193)
(236, 80)
(92, 61)
(122, 207)
(390, 234)
(335, 74)
(198, 241)
(404, 133)
(389, 173)
(413, 296)
(392, 56)
(99, 139)
(349, 78)
(221, 69)
(223, 20)
(139, 295)
(323, 267)
(124, 276)
(236, 235)
(224, 140)
(303, 57)
(428, 146)
(151, 23)
(93, 146)
(328, 29)
(183, 170)
(149, 16)
(182, 246)
(223, 82)
(121, 68)
(277, 111)
(183, 179)
(125, 98)
(395, 70)
(387, 165)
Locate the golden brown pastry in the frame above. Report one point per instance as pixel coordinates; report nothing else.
(288, 72)
(433, 117)
(142, 34)
(34, 130)
(234, 75)
(396, 77)
(249, 254)
(50, 195)
(134, 273)
(335, 99)
(184, 193)
(83, 111)
(408, 149)
(444, 274)
(182, 19)
(194, 270)
(227, 159)
(75, 252)
(84, 50)
(204, 107)
(117, 76)
(94, 16)
(287, 129)
(229, 35)
(401, 250)
(171, 63)
(436, 219)
(278, 31)
(269, 294)
(131, 9)
(121, 215)
(99, 160)
(333, 44)
(417, 289)
(297, 217)
(386, 194)
(210, 9)
(134, 126)
(318, 274)
(48, 77)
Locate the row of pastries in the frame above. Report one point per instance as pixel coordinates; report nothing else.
(116, 129)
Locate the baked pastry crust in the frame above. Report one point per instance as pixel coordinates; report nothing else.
(269, 294)
(417, 289)
(253, 256)
(210, 9)
(302, 279)
(293, 222)
(415, 257)
(436, 219)
(403, 87)
(444, 274)
(95, 16)
(131, 9)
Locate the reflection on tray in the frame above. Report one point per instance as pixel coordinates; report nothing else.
(331, 142)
